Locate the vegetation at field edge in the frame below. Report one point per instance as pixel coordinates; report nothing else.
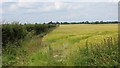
(66, 45)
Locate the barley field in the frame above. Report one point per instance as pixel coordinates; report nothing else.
(78, 45)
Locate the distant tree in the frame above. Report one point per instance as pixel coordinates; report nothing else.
(101, 22)
(57, 22)
(82, 22)
(97, 22)
(65, 23)
(87, 22)
(50, 22)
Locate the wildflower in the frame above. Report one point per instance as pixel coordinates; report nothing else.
(17, 57)
(55, 56)
(60, 60)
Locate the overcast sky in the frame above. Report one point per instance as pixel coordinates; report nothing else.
(59, 10)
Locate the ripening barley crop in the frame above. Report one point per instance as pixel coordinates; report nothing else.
(80, 45)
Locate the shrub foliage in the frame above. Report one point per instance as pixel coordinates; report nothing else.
(12, 33)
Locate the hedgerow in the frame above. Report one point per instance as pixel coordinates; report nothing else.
(14, 32)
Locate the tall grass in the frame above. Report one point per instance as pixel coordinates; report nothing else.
(14, 36)
(57, 49)
(100, 54)
(104, 53)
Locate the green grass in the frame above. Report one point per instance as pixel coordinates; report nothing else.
(21, 40)
(101, 54)
(73, 45)
(78, 45)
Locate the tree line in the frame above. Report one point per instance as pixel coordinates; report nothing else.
(85, 22)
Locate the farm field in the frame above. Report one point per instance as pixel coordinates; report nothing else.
(78, 45)
(59, 33)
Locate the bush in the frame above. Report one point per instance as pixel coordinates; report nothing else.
(13, 36)
(12, 33)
